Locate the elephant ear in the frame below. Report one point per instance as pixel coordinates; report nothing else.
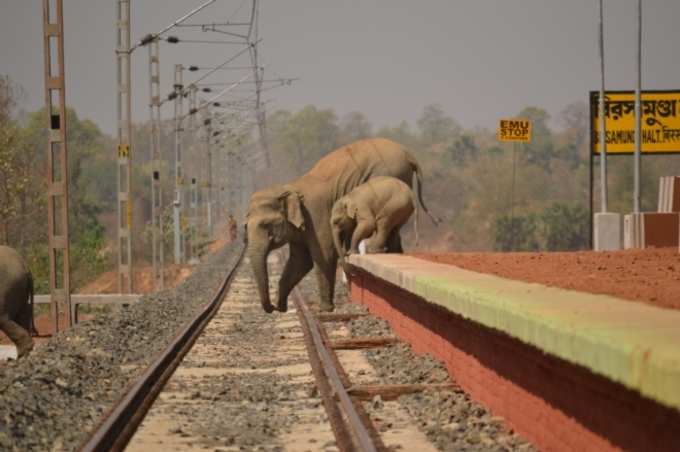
(292, 204)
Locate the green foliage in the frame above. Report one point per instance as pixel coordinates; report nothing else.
(518, 234)
(23, 206)
(307, 136)
(565, 227)
(435, 125)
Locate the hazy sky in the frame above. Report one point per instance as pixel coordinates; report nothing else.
(480, 59)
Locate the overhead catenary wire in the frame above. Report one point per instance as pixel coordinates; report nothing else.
(149, 38)
(217, 96)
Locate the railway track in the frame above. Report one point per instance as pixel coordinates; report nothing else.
(235, 365)
(237, 378)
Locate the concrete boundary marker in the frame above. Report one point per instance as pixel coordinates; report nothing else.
(555, 402)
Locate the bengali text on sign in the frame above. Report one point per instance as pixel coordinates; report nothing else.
(660, 122)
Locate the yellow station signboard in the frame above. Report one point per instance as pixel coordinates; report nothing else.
(514, 129)
(660, 123)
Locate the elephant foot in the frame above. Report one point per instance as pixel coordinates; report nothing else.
(24, 347)
(268, 308)
(282, 307)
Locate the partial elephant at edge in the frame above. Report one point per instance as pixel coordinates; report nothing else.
(16, 300)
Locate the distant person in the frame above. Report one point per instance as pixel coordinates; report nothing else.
(233, 229)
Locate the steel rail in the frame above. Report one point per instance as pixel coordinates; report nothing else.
(119, 425)
(359, 431)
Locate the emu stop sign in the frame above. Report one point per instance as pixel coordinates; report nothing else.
(514, 130)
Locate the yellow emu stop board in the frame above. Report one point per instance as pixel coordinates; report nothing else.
(516, 129)
(660, 122)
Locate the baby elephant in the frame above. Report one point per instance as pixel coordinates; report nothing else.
(376, 209)
(16, 300)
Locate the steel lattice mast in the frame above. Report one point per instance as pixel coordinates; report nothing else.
(57, 162)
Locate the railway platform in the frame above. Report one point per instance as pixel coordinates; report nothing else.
(566, 369)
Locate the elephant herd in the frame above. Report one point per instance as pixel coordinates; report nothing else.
(359, 191)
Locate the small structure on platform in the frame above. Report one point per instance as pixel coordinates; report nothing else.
(607, 231)
(656, 229)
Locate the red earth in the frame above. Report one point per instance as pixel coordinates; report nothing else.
(650, 276)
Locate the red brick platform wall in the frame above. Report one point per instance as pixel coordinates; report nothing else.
(555, 404)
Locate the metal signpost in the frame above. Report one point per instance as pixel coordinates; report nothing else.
(156, 193)
(57, 161)
(603, 128)
(638, 114)
(124, 127)
(517, 131)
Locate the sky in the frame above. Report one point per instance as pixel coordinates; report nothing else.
(480, 59)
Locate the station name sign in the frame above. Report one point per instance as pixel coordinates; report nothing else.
(660, 122)
(515, 129)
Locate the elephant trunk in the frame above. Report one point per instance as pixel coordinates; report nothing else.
(338, 242)
(257, 253)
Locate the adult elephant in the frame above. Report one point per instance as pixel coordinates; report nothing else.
(16, 299)
(298, 214)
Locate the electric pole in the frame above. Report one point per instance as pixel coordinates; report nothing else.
(156, 190)
(179, 176)
(209, 132)
(124, 127)
(57, 162)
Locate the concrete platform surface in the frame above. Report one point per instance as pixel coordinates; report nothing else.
(631, 343)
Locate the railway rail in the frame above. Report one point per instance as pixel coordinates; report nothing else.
(327, 405)
(118, 426)
(351, 425)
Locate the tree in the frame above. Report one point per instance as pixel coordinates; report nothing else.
(354, 126)
(401, 133)
(574, 118)
(565, 227)
(309, 135)
(435, 126)
(518, 234)
(463, 149)
(541, 148)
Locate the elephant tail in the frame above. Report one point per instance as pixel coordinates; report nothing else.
(416, 221)
(32, 330)
(419, 180)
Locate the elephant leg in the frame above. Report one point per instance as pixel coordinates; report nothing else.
(377, 243)
(298, 265)
(363, 230)
(325, 276)
(394, 242)
(18, 335)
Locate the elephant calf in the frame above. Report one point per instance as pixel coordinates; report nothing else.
(16, 300)
(375, 209)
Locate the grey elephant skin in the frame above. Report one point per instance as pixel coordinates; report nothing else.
(16, 300)
(374, 211)
(299, 213)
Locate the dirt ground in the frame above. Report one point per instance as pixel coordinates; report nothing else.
(651, 276)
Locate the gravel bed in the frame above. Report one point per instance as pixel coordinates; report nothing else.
(451, 420)
(51, 399)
